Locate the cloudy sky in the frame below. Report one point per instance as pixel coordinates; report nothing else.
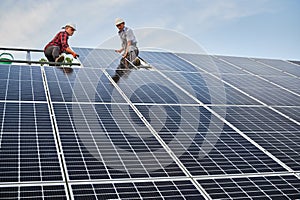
(252, 28)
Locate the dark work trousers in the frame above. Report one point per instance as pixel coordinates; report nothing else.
(130, 56)
(52, 52)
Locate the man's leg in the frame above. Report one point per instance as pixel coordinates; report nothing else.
(48, 54)
(52, 54)
(133, 57)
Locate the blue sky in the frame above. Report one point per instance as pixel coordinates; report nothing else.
(256, 28)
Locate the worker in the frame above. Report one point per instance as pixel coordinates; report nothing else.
(59, 44)
(129, 45)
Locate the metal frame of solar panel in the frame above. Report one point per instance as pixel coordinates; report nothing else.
(191, 127)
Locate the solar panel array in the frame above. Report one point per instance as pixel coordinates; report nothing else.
(191, 127)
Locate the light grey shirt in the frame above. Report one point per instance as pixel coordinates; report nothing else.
(127, 35)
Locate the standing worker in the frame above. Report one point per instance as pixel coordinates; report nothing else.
(129, 44)
(59, 44)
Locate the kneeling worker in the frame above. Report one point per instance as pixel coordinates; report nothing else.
(59, 44)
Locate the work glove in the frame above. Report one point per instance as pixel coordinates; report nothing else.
(75, 55)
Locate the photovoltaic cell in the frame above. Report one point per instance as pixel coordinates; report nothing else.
(83, 85)
(265, 187)
(208, 63)
(98, 58)
(22, 83)
(180, 189)
(203, 150)
(167, 61)
(151, 87)
(255, 86)
(292, 112)
(252, 66)
(269, 129)
(28, 150)
(262, 90)
(230, 155)
(208, 89)
(285, 66)
(55, 192)
(287, 82)
(126, 151)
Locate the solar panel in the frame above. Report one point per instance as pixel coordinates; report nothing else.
(33, 192)
(251, 66)
(191, 127)
(28, 148)
(132, 156)
(291, 68)
(20, 83)
(178, 189)
(264, 187)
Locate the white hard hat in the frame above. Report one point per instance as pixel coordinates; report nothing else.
(119, 21)
(70, 25)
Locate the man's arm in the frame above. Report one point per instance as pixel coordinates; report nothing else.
(119, 50)
(70, 51)
(65, 45)
(127, 48)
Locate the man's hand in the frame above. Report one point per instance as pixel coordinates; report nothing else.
(75, 55)
(119, 50)
(125, 54)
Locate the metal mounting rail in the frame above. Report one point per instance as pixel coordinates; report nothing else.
(43, 63)
(21, 49)
(28, 58)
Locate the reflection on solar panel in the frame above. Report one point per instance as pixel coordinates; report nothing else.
(191, 127)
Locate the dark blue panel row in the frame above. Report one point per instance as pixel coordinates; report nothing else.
(51, 192)
(230, 154)
(21, 83)
(208, 89)
(231, 72)
(262, 90)
(204, 144)
(252, 66)
(98, 58)
(27, 144)
(210, 64)
(25, 117)
(272, 187)
(138, 190)
(110, 141)
(288, 82)
(272, 131)
(142, 86)
(82, 85)
(91, 85)
(167, 61)
(292, 68)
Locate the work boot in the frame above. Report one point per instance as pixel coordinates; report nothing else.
(60, 58)
(136, 61)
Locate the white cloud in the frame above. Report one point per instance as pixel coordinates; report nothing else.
(205, 14)
(33, 23)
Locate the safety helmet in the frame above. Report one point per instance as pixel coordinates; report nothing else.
(119, 21)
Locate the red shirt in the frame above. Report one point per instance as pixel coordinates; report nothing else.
(60, 40)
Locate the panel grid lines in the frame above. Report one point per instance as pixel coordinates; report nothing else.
(193, 127)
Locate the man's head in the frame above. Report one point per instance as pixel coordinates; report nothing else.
(119, 23)
(70, 28)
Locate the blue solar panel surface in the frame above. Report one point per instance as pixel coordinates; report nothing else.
(191, 127)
